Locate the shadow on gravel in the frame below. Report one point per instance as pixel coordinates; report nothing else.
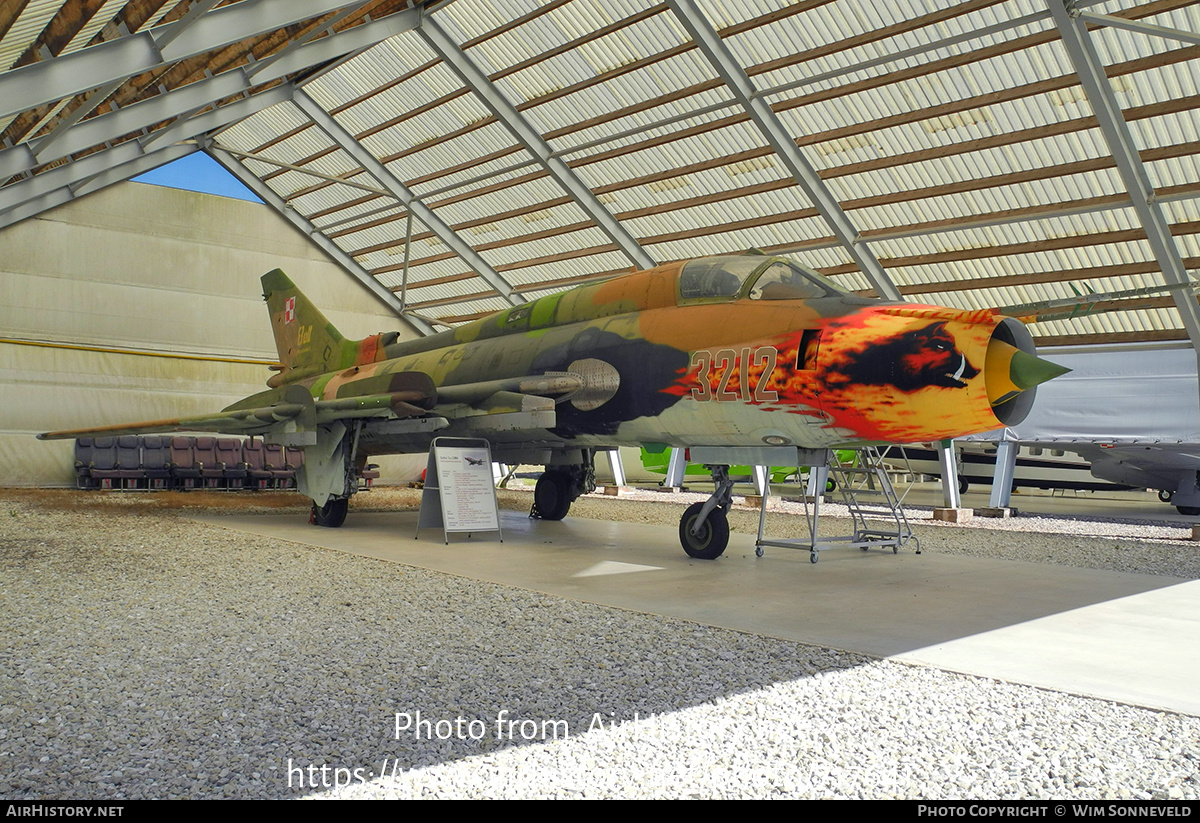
(148, 656)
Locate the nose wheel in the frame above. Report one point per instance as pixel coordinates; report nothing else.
(704, 540)
(704, 527)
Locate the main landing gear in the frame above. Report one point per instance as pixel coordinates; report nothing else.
(1167, 496)
(552, 496)
(329, 472)
(559, 486)
(332, 514)
(704, 527)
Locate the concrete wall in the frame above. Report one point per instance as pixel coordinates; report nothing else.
(141, 302)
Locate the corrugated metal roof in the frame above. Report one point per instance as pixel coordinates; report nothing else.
(955, 136)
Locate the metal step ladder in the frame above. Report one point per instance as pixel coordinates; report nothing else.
(857, 481)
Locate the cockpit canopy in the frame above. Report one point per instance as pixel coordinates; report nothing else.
(718, 279)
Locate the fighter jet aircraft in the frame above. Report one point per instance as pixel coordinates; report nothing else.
(741, 350)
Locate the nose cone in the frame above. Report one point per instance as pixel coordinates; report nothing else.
(1011, 371)
(1027, 370)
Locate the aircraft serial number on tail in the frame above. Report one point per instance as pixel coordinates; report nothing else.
(730, 364)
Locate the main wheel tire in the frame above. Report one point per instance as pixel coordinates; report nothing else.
(1165, 495)
(963, 485)
(551, 496)
(713, 538)
(332, 514)
(1190, 511)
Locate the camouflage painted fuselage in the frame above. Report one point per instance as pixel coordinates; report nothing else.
(703, 356)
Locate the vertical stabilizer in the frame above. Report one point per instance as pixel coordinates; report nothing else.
(308, 344)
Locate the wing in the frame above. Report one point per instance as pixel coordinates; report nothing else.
(512, 403)
(270, 410)
(241, 421)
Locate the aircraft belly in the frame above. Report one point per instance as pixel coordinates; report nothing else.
(691, 423)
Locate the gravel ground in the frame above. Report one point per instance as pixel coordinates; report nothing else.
(148, 656)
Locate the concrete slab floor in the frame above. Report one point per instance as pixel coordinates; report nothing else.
(1117, 636)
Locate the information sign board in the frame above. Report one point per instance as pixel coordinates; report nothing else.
(459, 475)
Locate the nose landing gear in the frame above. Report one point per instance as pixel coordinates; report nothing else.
(704, 527)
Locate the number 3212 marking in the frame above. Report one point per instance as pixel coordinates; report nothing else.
(728, 363)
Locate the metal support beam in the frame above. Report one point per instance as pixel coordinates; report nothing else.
(346, 141)
(809, 80)
(762, 480)
(103, 63)
(181, 102)
(950, 495)
(783, 144)
(1002, 477)
(618, 467)
(475, 80)
(1086, 61)
(1139, 26)
(127, 171)
(132, 118)
(29, 198)
(408, 224)
(676, 468)
(332, 178)
(328, 246)
(216, 119)
(98, 96)
(818, 482)
(301, 54)
(16, 160)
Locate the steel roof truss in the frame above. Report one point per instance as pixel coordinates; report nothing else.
(59, 185)
(300, 222)
(194, 97)
(783, 144)
(1139, 26)
(590, 144)
(397, 189)
(932, 46)
(1086, 61)
(215, 119)
(16, 160)
(28, 196)
(532, 141)
(337, 224)
(131, 169)
(249, 155)
(300, 54)
(65, 76)
(99, 95)
(131, 118)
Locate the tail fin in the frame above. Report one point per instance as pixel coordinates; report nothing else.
(308, 344)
